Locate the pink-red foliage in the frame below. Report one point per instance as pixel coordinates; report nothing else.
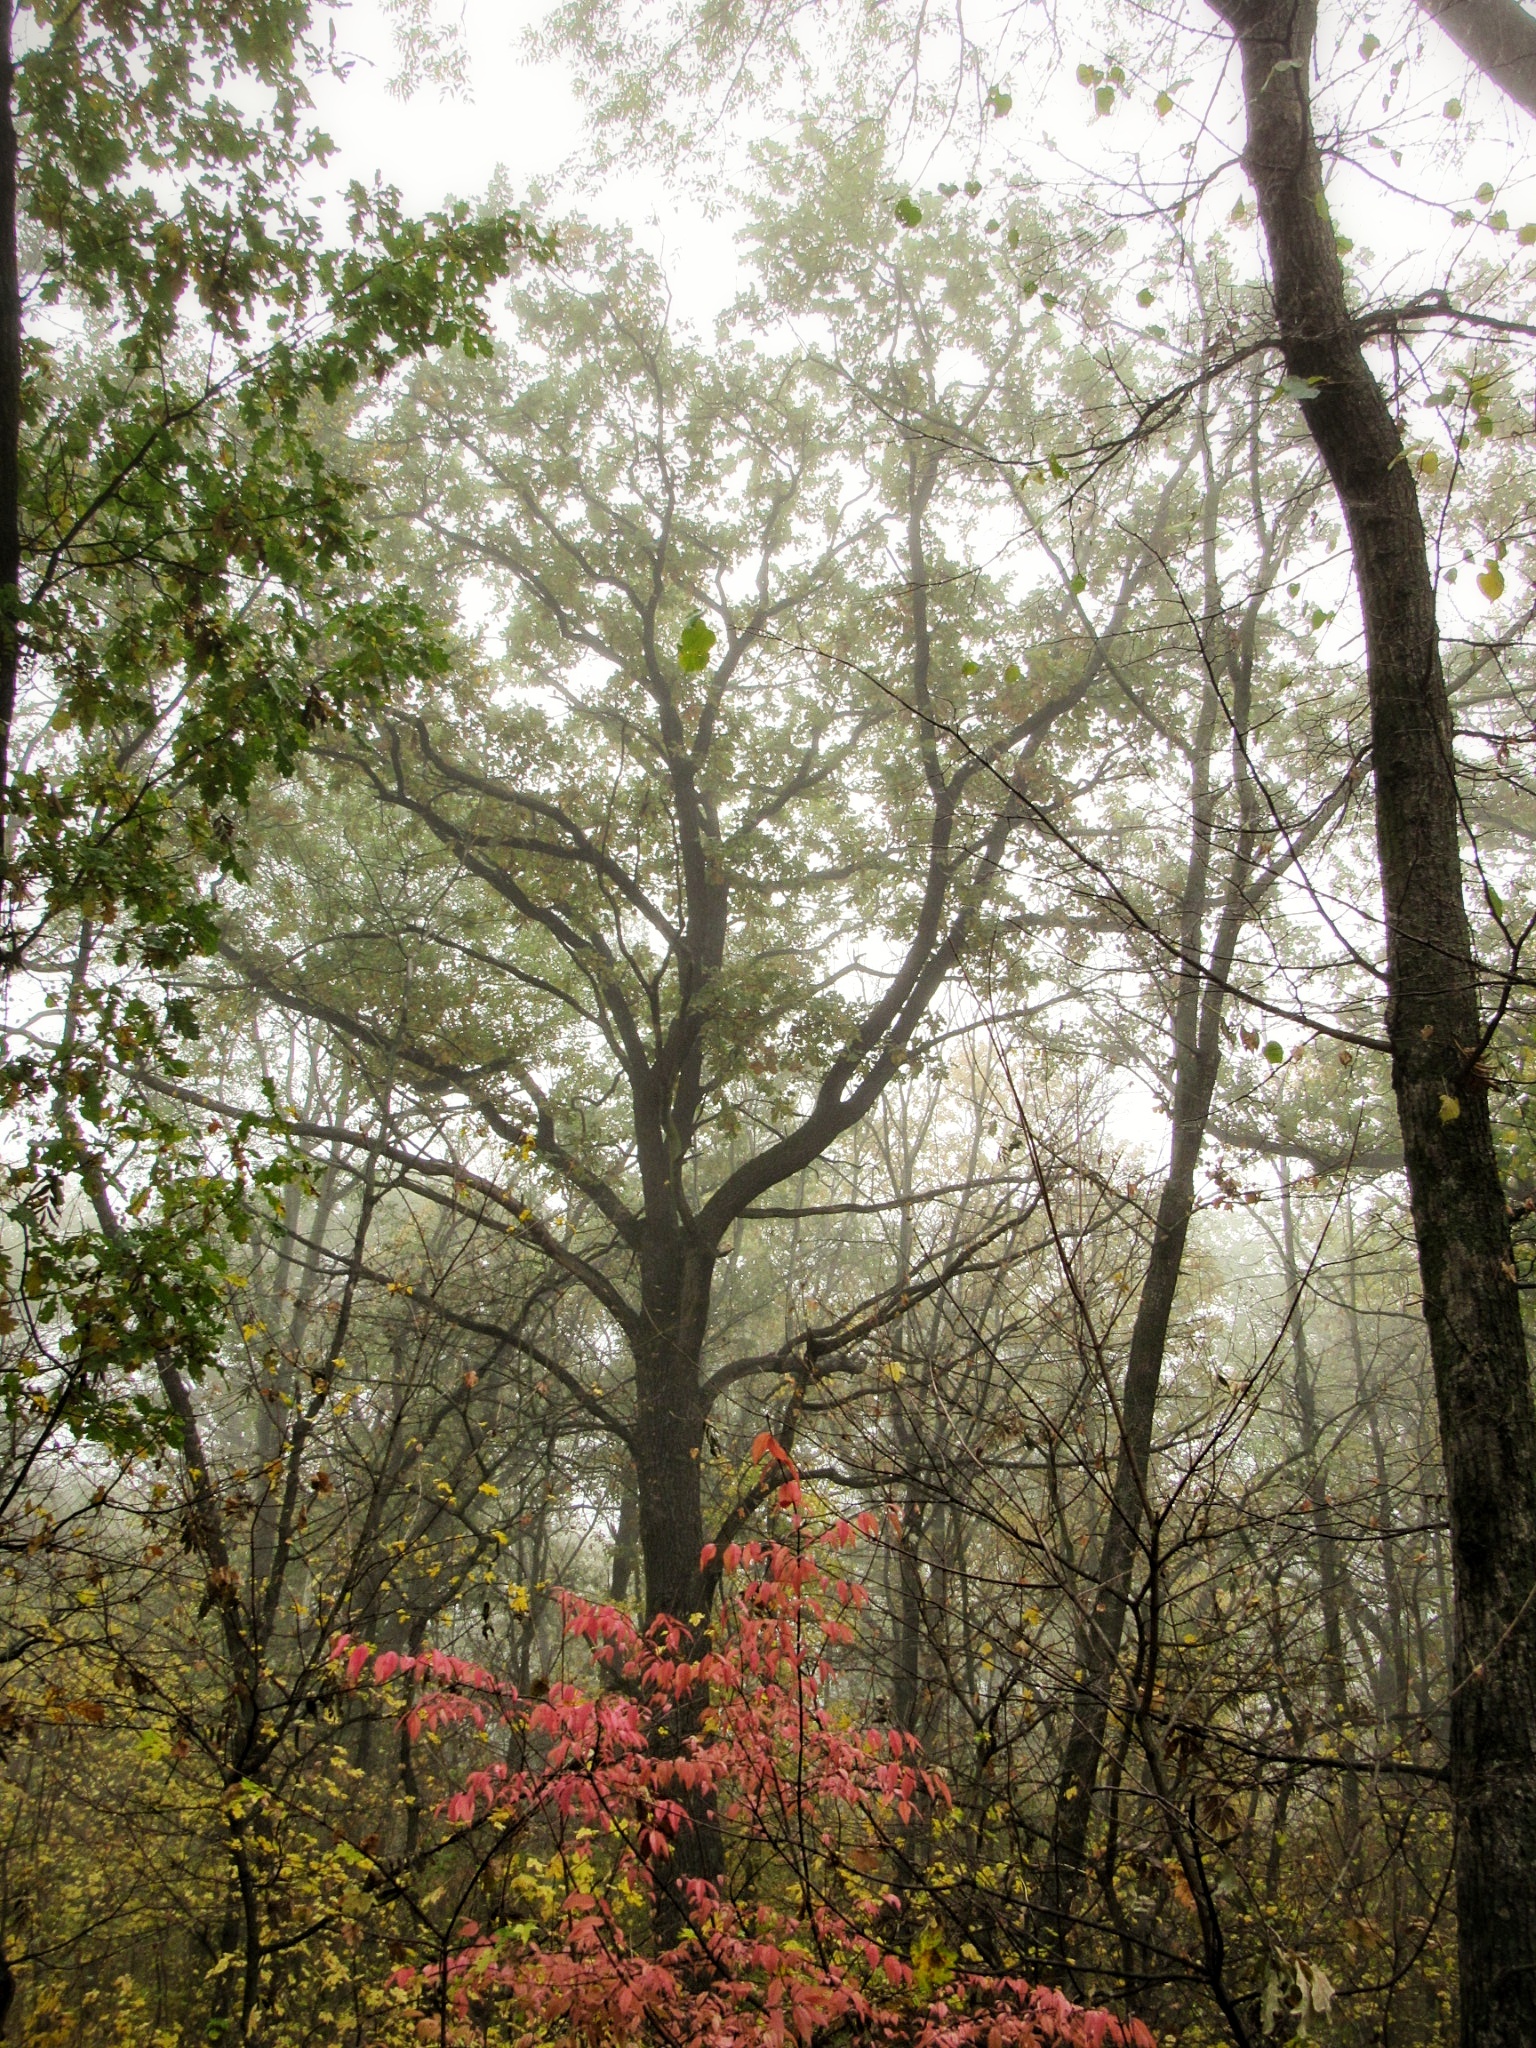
(788, 1946)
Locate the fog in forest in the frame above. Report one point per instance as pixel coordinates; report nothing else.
(767, 867)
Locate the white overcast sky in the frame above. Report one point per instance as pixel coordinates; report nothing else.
(525, 117)
(520, 116)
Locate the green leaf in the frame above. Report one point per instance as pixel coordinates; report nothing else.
(999, 101)
(907, 211)
(1144, 297)
(1274, 1052)
(1088, 74)
(1104, 99)
(1429, 462)
(1484, 194)
(1527, 234)
(693, 648)
(1163, 104)
(1369, 45)
(1452, 110)
(1301, 389)
(1078, 584)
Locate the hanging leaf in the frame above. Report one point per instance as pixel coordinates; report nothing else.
(693, 648)
(1491, 582)
(907, 211)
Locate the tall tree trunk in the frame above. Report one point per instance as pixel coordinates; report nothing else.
(1477, 1343)
(1197, 1061)
(1104, 1632)
(10, 431)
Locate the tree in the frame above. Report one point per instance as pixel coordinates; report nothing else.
(186, 596)
(709, 857)
(1438, 1040)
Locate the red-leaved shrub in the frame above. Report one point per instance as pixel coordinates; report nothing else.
(733, 1732)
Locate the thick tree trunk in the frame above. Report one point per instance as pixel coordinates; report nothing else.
(676, 1283)
(669, 1423)
(1477, 1343)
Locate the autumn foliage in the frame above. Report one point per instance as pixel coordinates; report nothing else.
(592, 1809)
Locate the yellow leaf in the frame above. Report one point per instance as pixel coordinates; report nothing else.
(1450, 1109)
(1491, 582)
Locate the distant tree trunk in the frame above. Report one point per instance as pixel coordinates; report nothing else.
(1369, 1397)
(1198, 1004)
(622, 1567)
(1477, 1343)
(1330, 1573)
(906, 1671)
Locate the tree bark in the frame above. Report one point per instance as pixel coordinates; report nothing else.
(1471, 1307)
(1498, 36)
(10, 430)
